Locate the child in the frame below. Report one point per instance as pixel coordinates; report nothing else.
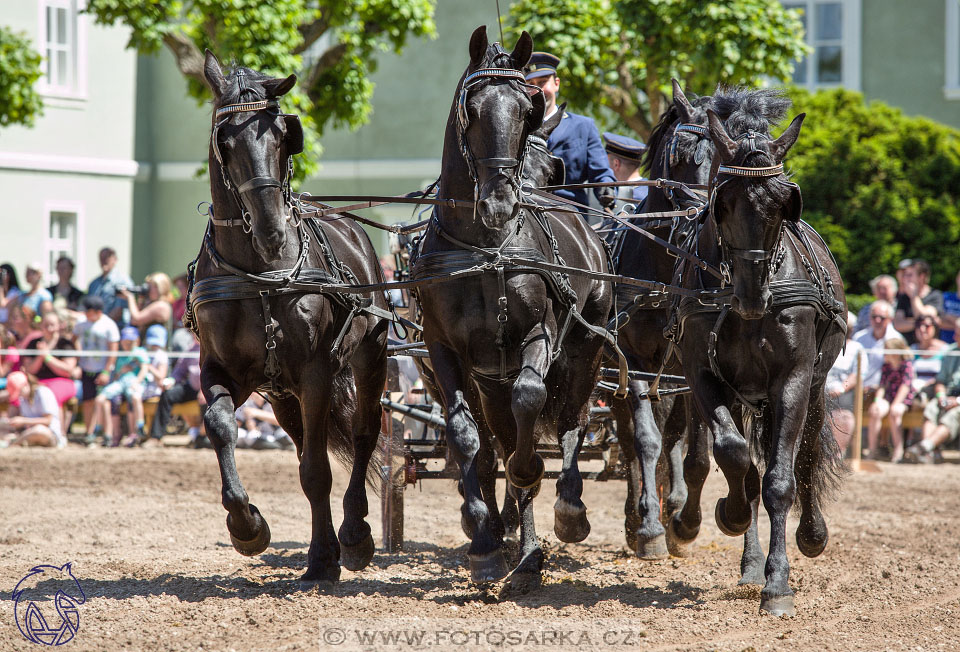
(127, 382)
(893, 397)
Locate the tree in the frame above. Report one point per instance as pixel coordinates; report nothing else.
(879, 186)
(619, 56)
(20, 103)
(332, 45)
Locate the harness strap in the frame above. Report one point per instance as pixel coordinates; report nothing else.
(259, 182)
(715, 365)
(271, 367)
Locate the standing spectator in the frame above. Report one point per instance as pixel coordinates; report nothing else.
(182, 338)
(841, 380)
(892, 399)
(66, 296)
(9, 290)
(106, 285)
(37, 300)
(951, 314)
(872, 339)
(97, 333)
(941, 417)
(182, 387)
(926, 365)
(916, 298)
(9, 358)
(55, 372)
(884, 288)
(157, 304)
(38, 423)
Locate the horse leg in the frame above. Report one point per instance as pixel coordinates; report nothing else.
(779, 488)
(487, 471)
(370, 375)
(651, 538)
(623, 413)
(673, 440)
(685, 524)
(487, 563)
(249, 532)
(525, 468)
(526, 576)
(510, 516)
(751, 561)
(570, 514)
(818, 458)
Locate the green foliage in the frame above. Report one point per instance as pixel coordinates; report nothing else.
(334, 87)
(20, 103)
(619, 56)
(878, 185)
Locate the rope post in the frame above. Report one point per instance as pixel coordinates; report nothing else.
(391, 487)
(857, 417)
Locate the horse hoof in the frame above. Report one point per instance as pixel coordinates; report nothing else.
(522, 583)
(653, 548)
(679, 534)
(511, 537)
(257, 544)
(322, 578)
(519, 481)
(357, 557)
(570, 522)
(811, 547)
(631, 536)
(491, 567)
(779, 605)
(730, 529)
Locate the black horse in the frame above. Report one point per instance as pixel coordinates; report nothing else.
(512, 348)
(321, 358)
(757, 361)
(679, 149)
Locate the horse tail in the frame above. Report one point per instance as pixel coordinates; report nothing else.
(825, 459)
(343, 407)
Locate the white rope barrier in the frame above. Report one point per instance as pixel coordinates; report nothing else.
(71, 353)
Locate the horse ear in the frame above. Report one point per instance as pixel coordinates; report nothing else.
(726, 147)
(780, 147)
(552, 122)
(280, 86)
(478, 45)
(535, 119)
(213, 74)
(558, 175)
(794, 208)
(681, 102)
(522, 51)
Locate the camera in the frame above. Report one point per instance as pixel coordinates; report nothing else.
(140, 290)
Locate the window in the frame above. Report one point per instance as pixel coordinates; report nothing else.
(833, 31)
(62, 35)
(952, 86)
(62, 238)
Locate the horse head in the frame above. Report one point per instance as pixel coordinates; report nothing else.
(251, 147)
(496, 111)
(751, 197)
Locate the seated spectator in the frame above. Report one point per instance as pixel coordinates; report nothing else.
(66, 296)
(9, 358)
(36, 300)
(38, 423)
(258, 427)
(951, 314)
(97, 333)
(159, 363)
(153, 308)
(106, 285)
(126, 384)
(53, 371)
(930, 349)
(9, 291)
(892, 398)
(841, 380)
(884, 288)
(182, 387)
(872, 339)
(916, 298)
(941, 416)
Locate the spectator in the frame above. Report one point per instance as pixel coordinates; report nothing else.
(38, 423)
(872, 339)
(55, 372)
(941, 417)
(66, 296)
(892, 398)
(9, 358)
(181, 388)
(9, 290)
(37, 300)
(127, 383)
(180, 303)
(97, 333)
(158, 302)
(884, 288)
(625, 155)
(159, 363)
(106, 285)
(18, 325)
(916, 298)
(926, 365)
(841, 380)
(258, 427)
(951, 314)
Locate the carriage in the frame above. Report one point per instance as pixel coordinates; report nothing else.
(521, 312)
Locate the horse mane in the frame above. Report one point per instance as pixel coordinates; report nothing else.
(652, 160)
(233, 95)
(744, 109)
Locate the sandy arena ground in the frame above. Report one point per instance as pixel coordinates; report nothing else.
(145, 532)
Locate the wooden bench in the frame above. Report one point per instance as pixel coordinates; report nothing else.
(190, 411)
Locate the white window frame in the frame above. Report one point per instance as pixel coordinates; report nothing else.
(54, 244)
(850, 42)
(77, 90)
(951, 89)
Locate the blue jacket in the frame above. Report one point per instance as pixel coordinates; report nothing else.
(577, 141)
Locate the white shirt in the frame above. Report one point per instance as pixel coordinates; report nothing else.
(43, 402)
(845, 366)
(871, 374)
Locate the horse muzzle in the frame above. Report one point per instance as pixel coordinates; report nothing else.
(752, 306)
(270, 246)
(498, 206)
